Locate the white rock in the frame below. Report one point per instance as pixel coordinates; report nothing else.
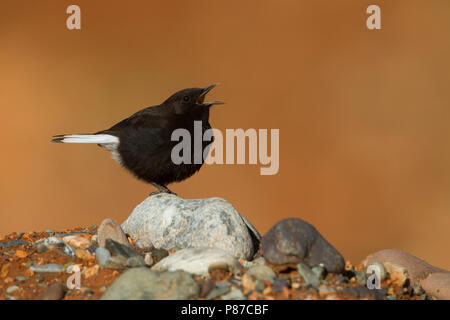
(196, 260)
(168, 222)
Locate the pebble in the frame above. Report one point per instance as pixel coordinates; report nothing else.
(148, 259)
(207, 286)
(84, 255)
(259, 285)
(102, 255)
(196, 260)
(12, 289)
(256, 262)
(280, 284)
(20, 254)
(437, 285)
(262, 272)
(293, 240)
(117, 262)
(47, 268)
(90, 271)
(361, 277)
(158, 254)
(55, 291)
(119, 249)
(77, 241)
(363, 291)
(248, 284)
(54, 243)
(146, 284)
(310, 278)
(144, 244)
(110, 229)
(92, 248)
(136, 261)
(319, 271)
(12, 243)
(342, 279)
(324, 291)
(21, 278)
(403, 264)
(217, 292)
(168, 221)
(235, 294)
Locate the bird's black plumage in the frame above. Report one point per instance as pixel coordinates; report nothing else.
(144, 144)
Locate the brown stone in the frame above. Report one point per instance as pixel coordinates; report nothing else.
(417, 268)
(56, 291)
(78, 241)
(110, 229)
(437, 285)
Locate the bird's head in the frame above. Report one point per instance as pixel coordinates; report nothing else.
(190, 100)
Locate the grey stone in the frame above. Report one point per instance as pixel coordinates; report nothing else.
(158, 254)
(146, 284)
(311, 279)
(54, 243)
(110, 229)
(363, 291)
(47, 268)
(21, 278)
(217, 292)
(222, 284)
(92, 248)
(148, 259)
(196, 260)
(262, 273)
(259, 285)
(293, 240)
(319, 271)
(12, 243)
(54, 292)
(361, 277)
(168, 221)
(102, 255)
(280, 284)
(256, 262)
(12, 289)
(235, 294)
(136, 261)
(119, 249)
(117, 262)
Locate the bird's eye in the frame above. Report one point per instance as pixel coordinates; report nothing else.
(186, 98)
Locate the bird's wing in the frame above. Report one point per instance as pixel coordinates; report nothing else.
(148, 130)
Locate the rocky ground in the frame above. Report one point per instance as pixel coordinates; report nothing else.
(171, 261)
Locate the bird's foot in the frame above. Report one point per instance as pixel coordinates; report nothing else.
(161, 189)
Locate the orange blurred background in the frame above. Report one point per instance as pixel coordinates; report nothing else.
(363, 115)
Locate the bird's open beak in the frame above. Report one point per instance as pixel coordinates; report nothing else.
(201, 98)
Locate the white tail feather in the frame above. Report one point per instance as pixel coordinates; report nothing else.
(89, 138)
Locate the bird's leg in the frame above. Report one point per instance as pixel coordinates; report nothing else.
(161, 189)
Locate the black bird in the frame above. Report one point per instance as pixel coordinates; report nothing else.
(142, 142)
